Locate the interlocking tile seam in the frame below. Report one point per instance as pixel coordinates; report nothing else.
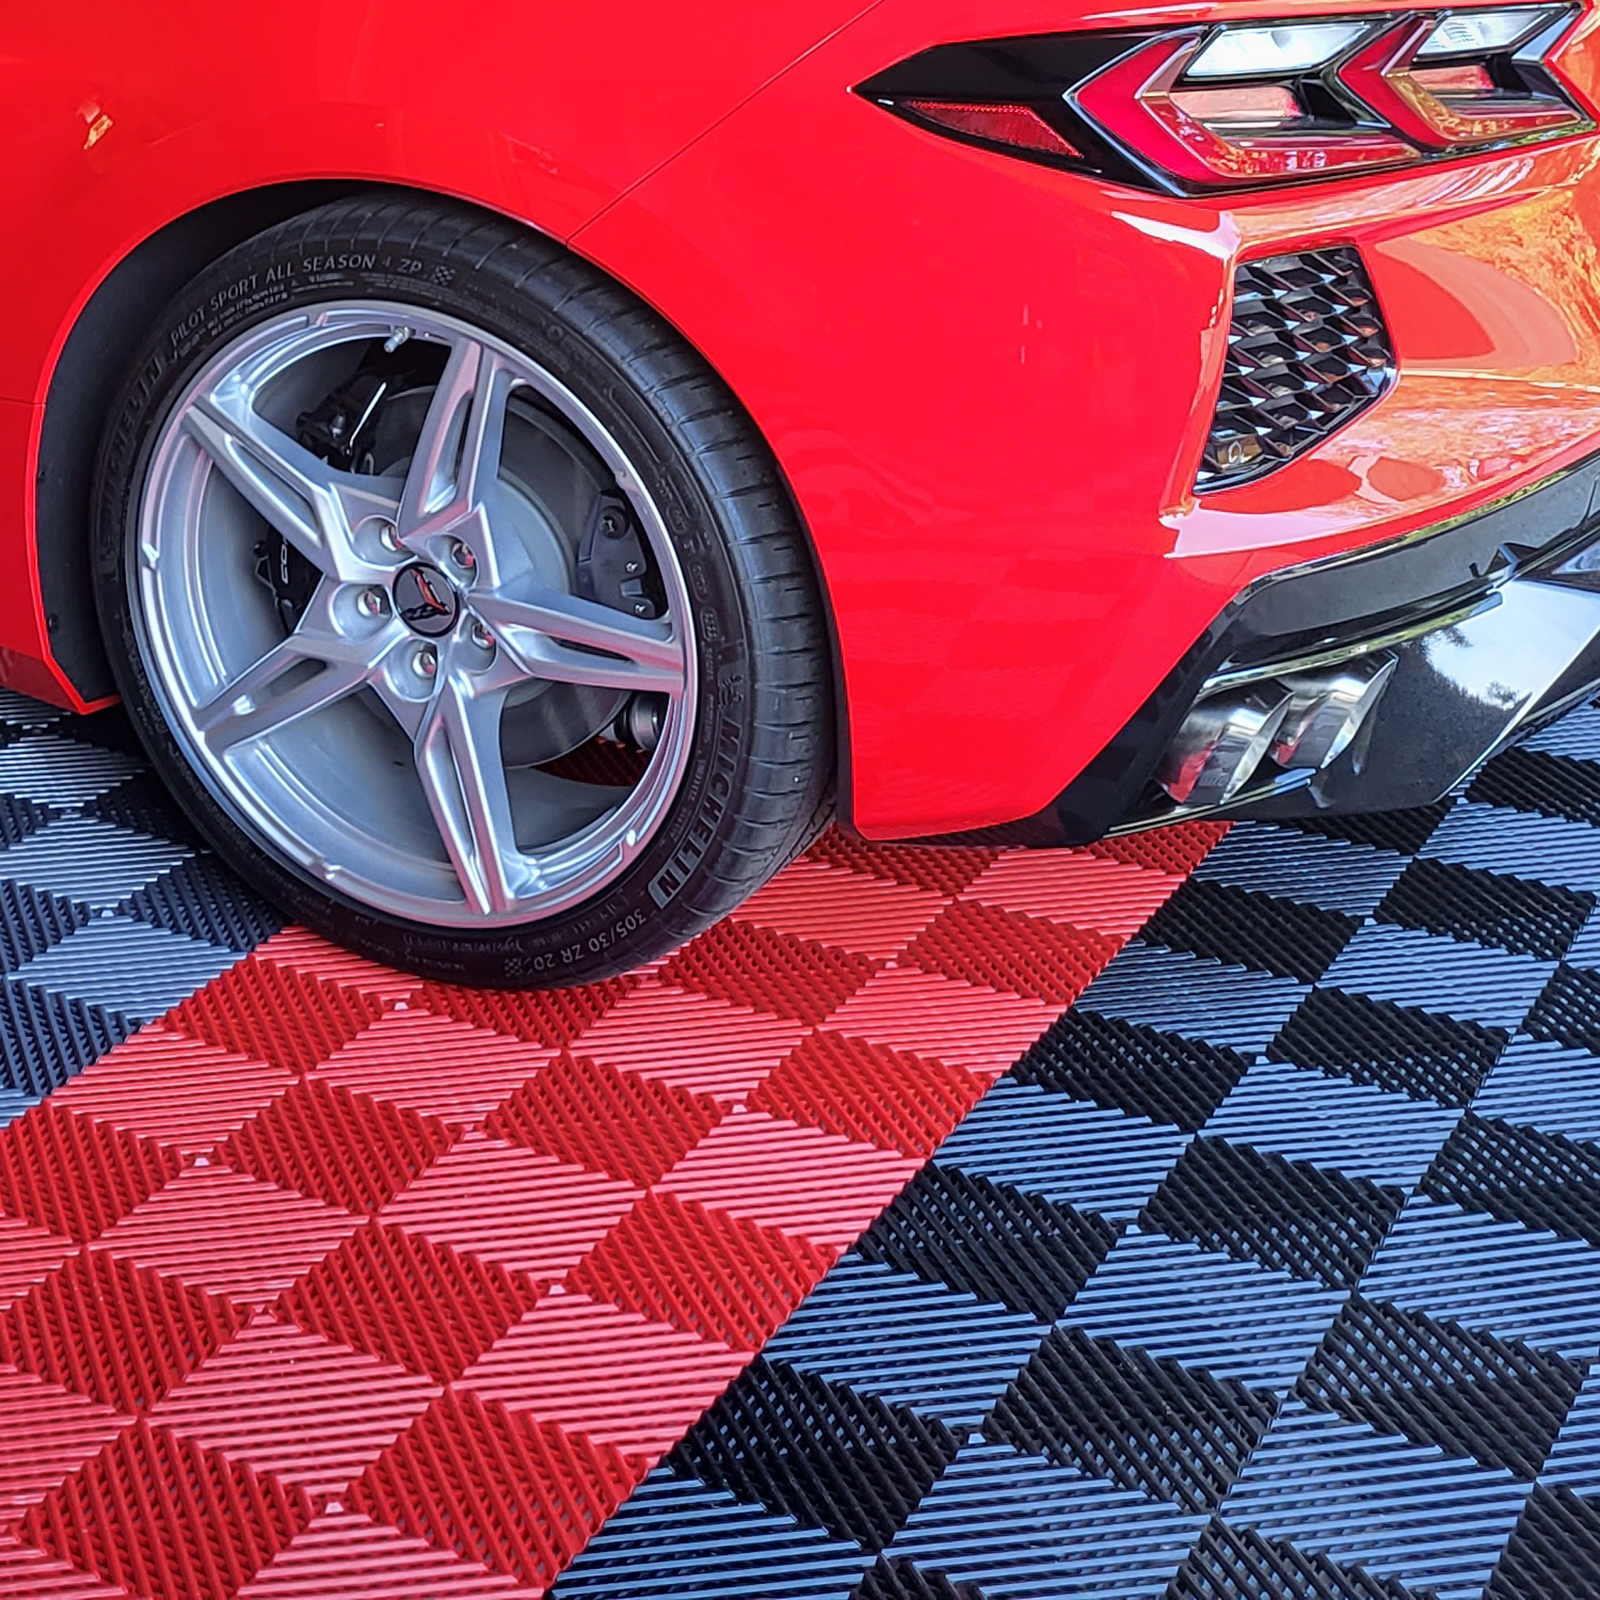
(297, 1050)
(1383, 1131)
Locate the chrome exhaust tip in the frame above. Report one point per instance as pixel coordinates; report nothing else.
(1221, 743)
(1304, 721)
(1327, 710)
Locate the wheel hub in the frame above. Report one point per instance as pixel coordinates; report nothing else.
(425, 600)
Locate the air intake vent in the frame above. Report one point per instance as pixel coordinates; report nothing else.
(1307, 351)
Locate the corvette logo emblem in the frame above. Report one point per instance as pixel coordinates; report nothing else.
(425, 601)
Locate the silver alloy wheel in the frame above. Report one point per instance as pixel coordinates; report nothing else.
(364, 744)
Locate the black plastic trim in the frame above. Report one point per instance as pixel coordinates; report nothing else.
(1336, 601)
(91, 367)
(1304, 359)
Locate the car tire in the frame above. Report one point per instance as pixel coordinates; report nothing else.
(704, 501)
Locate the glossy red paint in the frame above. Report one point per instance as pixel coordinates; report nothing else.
(988, 381)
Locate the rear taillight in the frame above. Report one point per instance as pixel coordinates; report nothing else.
(1245, 104)
(1215, 130)
(1497, 96)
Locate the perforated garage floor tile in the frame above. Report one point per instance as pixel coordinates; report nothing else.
(329, 1282)
(1271, 1271)
(1269, 1267)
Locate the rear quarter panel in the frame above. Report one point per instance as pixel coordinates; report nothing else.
(990, 383)
(116, 119)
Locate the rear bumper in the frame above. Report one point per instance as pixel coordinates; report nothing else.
(1492, 623)
(989, 385)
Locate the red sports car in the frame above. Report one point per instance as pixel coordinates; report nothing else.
(523, 468)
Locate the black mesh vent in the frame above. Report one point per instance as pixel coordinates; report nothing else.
(1307, 351)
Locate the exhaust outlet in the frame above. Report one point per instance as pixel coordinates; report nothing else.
(1221, 743)
(1327, 710)
(1304, 721)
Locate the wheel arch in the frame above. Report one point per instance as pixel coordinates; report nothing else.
(93, 361)
(90, 366)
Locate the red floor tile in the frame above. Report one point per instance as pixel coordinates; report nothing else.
(433, 1065)
(28, 1255)
(321, 1140)
(592, 1115)
(869, 1093)
(1081, 889)
(945, 872)
(342, 1555)
(167, 1519)
(113, 1331)
(431, 1309)
(29, 1574)
(853, 911)
(292, 1018)
(545, 1217)
(176, 1091)
(75, 1175)
(229, 1233)
(1011, 952)
(552, 1017)
(296, 1405)
(721, 1277)
(690, 1041)
(611, 1375)
(520, 1496)
(49, 1432)
(309, 955)
(768, 971)
(962, 1024)
(800, 1181)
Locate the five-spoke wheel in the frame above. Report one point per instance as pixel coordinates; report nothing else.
(444, 585)
(411, 590)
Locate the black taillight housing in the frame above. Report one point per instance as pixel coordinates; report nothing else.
(1243, 105)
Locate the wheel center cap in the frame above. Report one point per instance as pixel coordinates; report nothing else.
(426, 600)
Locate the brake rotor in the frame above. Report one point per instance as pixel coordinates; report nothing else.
(578, 535)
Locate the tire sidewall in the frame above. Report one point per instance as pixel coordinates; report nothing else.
(670, 890)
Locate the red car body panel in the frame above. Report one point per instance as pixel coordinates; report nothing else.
(987, 381)
(116, 120)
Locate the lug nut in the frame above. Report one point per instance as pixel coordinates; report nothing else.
(461, 554)
(372, 602)
(481, 636)
(426, 662)
(389, 537)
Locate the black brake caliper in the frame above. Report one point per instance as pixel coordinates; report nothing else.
(613, 568)
(341, 431)
(291, 578)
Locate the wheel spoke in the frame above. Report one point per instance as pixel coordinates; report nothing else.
(556, 636)
(277, 689)
(463, 778)
(302, 497)
(456, 462)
